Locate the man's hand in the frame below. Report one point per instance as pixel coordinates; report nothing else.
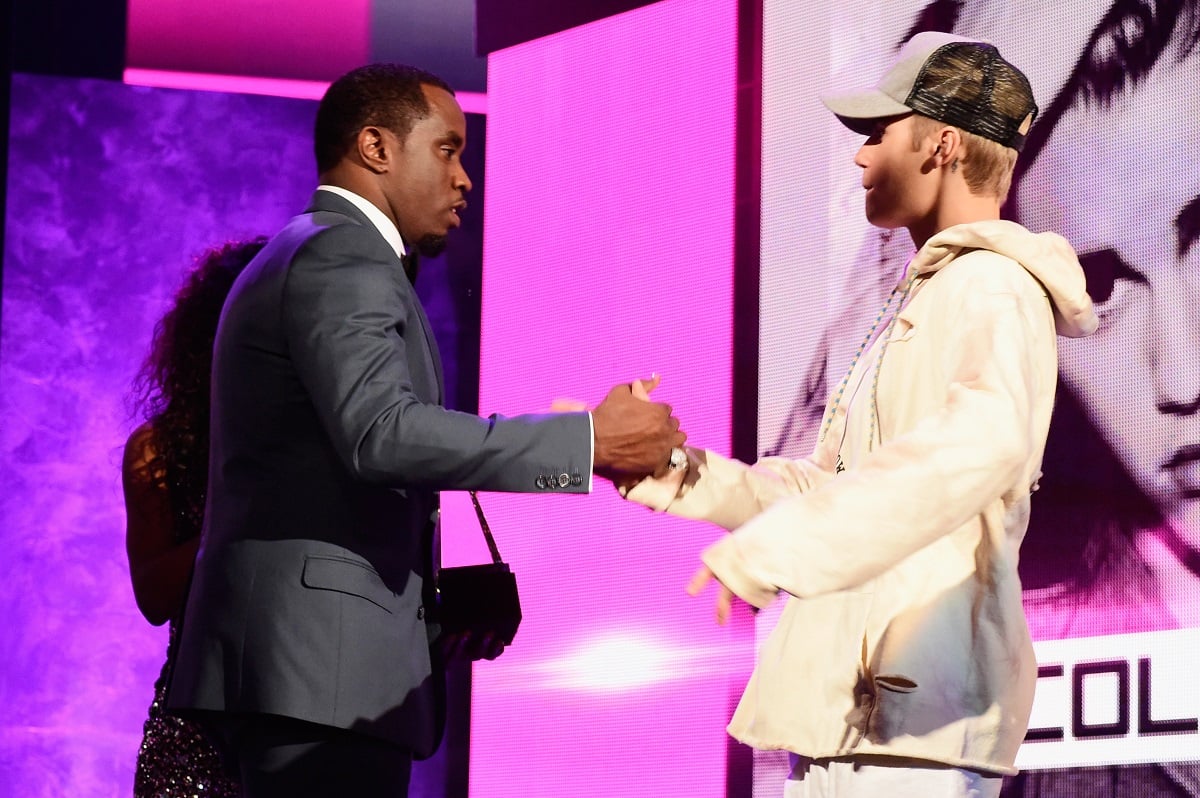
(724, 594)
(634, 437)
(467, 647)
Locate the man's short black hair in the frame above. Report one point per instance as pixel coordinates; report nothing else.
(387, 95)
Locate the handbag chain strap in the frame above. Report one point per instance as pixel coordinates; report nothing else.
(487, 530)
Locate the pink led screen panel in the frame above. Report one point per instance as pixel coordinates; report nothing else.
(608, 255)
(298, 39)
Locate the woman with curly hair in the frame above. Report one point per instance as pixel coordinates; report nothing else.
(164, 473)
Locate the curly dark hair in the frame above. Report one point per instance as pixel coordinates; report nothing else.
(172, 388)
(387, 95)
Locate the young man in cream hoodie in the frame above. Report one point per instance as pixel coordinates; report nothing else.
(902, 665)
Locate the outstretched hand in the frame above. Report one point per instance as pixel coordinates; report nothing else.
(634, 436)
(724, 595)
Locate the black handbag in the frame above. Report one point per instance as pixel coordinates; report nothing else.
(477, 600)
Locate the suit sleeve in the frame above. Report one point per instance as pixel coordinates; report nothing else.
(347, 314)
(924, 484)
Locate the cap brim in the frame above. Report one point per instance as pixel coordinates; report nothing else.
(858, 111)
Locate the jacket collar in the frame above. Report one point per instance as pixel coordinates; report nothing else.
(344, 201)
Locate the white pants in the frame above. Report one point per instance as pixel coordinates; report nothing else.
(906, 778)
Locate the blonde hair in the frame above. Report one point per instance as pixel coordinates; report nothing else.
(987, 165)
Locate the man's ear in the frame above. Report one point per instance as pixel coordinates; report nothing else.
(948, 146)
(373, 149)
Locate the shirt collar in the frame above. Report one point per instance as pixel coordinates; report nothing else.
(377, 217)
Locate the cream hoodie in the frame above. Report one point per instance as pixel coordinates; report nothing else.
(903, 634)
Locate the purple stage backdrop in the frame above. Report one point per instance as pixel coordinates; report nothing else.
(609, 254)
(113, 190)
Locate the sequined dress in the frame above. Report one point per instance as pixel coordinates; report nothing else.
(175, 760)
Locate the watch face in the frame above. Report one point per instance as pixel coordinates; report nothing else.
(678, 459)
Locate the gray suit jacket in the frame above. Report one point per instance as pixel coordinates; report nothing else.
(328, 447)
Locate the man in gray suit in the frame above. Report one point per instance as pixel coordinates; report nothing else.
(305, 645)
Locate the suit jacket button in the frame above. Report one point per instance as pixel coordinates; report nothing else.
(421, 613)
(564, 480)
(576, 480)
(540, 482)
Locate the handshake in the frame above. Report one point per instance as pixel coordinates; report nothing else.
(635, 437)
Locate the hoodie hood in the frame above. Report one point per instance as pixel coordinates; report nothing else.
(1047, 256)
